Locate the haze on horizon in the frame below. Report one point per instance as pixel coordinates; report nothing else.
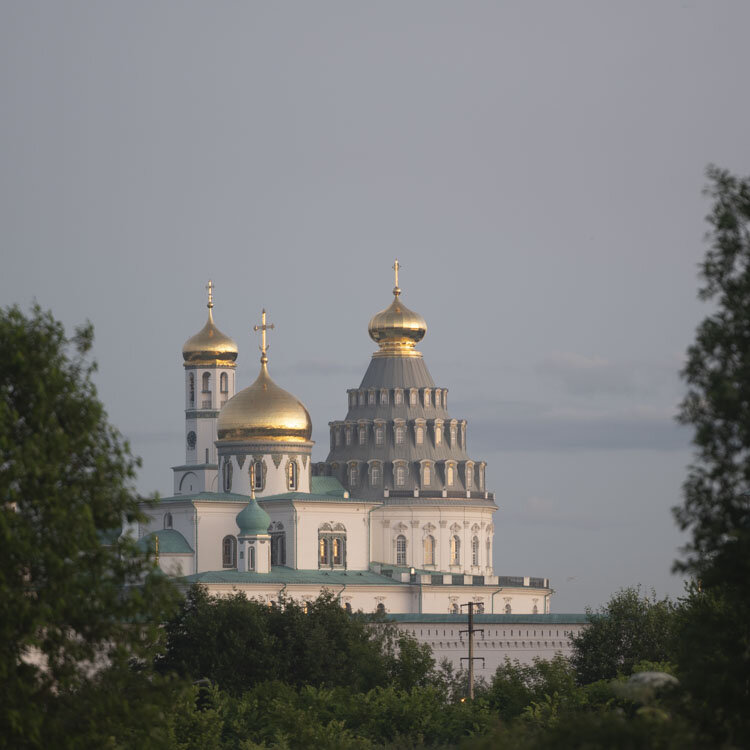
(537, 168)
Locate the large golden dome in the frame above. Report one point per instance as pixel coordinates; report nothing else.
(263, 411)
(397, 329)
(209, 345)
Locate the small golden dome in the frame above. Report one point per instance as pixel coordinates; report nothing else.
(263, 411)
(209, 345)
(397, 329)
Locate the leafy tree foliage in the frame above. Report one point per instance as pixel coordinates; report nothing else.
(717, 507)
(236, 643)
(630, 628)
(715, 627)
(73, 612)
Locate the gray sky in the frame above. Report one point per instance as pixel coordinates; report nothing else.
(537, 168)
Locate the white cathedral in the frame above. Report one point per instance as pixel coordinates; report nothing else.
(396, 519)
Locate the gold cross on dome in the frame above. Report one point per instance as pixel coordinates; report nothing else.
(395, 268)
(210, 287)
(263, 327)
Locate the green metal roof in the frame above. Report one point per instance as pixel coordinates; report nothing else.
(313, 498)
(170, 542)
(326, 486)
(487, 619)
(205, 497)
(282, 574)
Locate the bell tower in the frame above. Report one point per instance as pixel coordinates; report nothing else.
(210, 369)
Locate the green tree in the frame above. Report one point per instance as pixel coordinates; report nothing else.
(630, 628)
(237, 642)
(714, 630)
(75, 614)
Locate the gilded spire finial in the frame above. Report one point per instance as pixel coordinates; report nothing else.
(210, 287)
(395, 267)
(263, 327)
(252, 480)
(156, 548)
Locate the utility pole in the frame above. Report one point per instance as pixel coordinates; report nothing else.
(471, 658)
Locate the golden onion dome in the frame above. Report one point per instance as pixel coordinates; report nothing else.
(263, 411)
(209, 345)
(397, 329)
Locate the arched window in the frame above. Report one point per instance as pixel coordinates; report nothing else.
(251, 561)
(206, 382)
(449, 475)
(224, 383)
(438, 434)
(379, 435)
(227, 475)
(426, 396)
(419, 435)
(399, 432)
(371, 398)
(469, 476)
(437, 398)
(348, 607)
(454, 432)
(353, 475)
(324, 551)
(332, 546)
(348, 435)
(292, 475)
(488, 549)
(398, 397)
(191, 388)
(481, 477)
(383, 396)
(507, 609)
(429, 550)
(426, 474)
(455, 550)
(454, 608)
(362, 434)
(167, 520)
(257, 472)
(413, 398)
(475, 550)
(278, 545)
(400, 475)
(400, 550)
(375, 474)
(229, 552)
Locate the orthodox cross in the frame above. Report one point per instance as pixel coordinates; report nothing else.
(210, 287)
(263, 327)
(395, 268)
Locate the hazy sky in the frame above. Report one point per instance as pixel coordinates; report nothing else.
(536, 167)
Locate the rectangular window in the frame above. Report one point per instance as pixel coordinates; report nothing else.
(399, 435)
(426, 397)
(375, 475)
(438, 434)
(379, 436)
(413, 398)
(383, 397)
(362, 435)
(419, 435)
(398, 397)
(449, 475)
(427, 474)
(348, 435)
(469, 476)
(371, 398)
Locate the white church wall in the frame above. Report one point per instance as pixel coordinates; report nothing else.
(311, 516)
(276, 477)
(522, 642)
(215, 521)
(441, 522)
(176, 565)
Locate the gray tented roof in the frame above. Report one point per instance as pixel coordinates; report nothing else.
(397, 372)
(403, 373)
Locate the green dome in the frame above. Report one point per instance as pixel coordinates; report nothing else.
(252, 519)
